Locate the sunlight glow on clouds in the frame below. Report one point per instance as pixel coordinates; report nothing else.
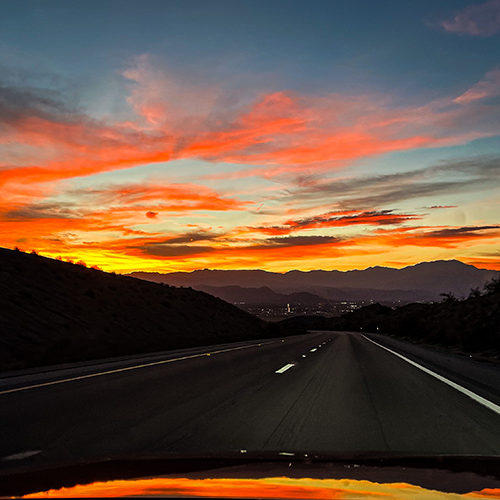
(316, 209)
(489, 86)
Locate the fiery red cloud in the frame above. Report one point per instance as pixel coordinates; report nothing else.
(339, 219)
(171, 198)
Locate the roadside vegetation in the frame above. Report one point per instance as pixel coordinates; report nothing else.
(470, 325)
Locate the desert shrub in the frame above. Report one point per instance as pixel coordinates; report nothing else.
(448, 297)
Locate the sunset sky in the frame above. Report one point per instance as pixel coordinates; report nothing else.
(278, 134)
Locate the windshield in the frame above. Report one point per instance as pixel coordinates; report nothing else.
(255, 232)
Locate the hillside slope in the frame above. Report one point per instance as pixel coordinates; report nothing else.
(53, 312)
(258, 296)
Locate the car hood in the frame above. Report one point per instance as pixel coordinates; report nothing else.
(201, 475)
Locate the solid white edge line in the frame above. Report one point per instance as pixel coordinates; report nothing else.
(491, 406)
(284, 368)
(90, 375)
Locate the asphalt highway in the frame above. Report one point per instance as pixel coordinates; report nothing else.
(325, 392)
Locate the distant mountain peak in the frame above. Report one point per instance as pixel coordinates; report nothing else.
(442, 262)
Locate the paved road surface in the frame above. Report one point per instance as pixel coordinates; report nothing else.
(324, 392)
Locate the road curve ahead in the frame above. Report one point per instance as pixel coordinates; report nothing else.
(325, 392)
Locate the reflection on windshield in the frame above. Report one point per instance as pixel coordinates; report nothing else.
(277, 487)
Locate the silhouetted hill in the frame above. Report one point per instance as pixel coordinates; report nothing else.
(259, 296)
(424, 281)
(53, 312)
(471, 325)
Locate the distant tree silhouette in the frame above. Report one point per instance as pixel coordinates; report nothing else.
(474, 293)
(448, 297)
(493, 286)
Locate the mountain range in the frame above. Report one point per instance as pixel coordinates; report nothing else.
(259, 296)
(421, 282)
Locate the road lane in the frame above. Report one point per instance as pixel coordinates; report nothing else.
(134, 366)
(357, 397)
(481, 377)
(24, 379)
(478, 399)
(127, 411)
(346, 396)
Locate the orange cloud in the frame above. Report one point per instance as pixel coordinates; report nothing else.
(486, 493)
(93, 237)
(483, 262)
(227, 251)
(97, 215)
(244, 252)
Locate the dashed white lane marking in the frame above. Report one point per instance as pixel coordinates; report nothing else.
(22, 455)
(284, 368)
(81, 377)
(313, 350)
(491, 406)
